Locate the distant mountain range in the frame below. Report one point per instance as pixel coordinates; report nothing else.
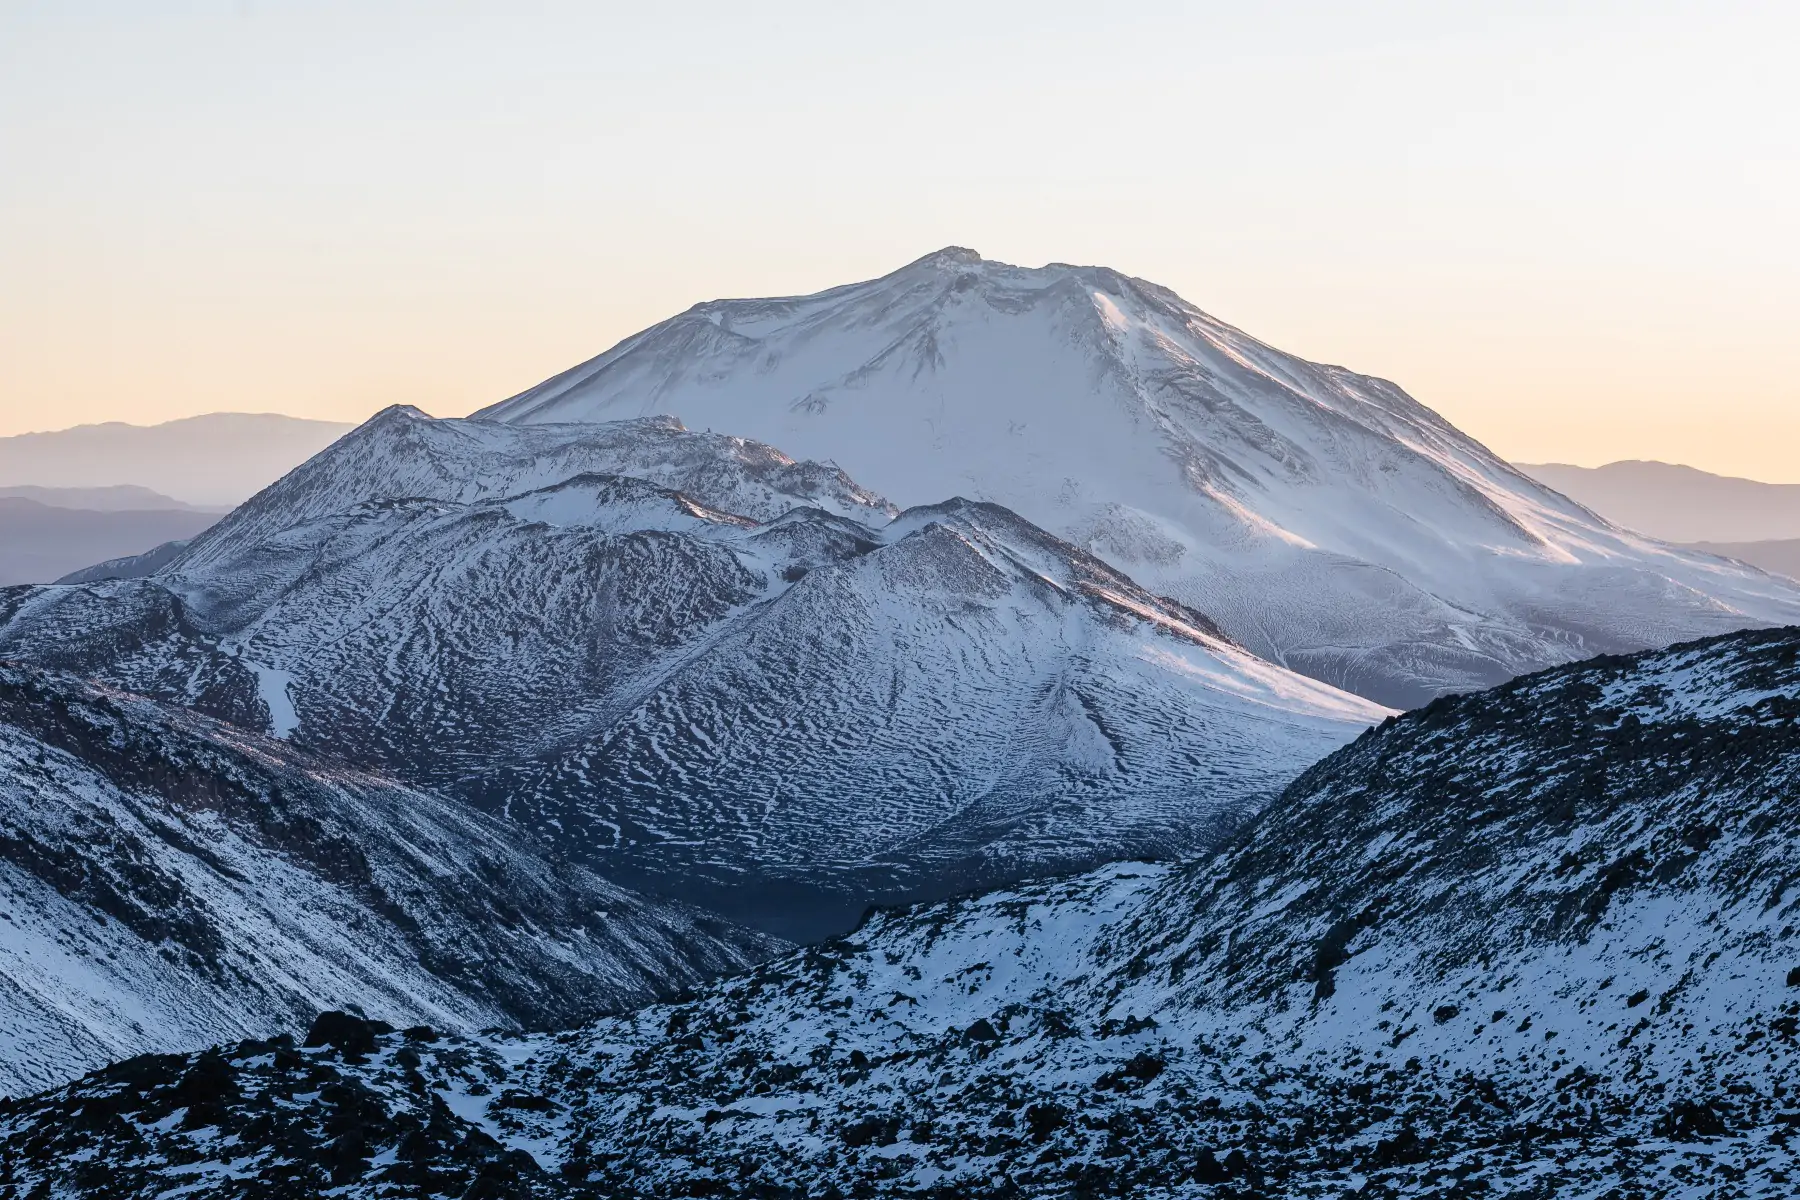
(43, 541)
(1756, 523)
(212, 461)
(123, 497)
(1679, 504)
(1326, 520)
(78, 497)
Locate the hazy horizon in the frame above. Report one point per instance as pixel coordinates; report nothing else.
(351, 424)
(1568, 232)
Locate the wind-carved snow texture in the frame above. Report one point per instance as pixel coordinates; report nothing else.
(753, 690)
(1537, 942)
(1325, 519)
(167, 882)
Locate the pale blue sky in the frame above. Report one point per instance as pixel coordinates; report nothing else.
(1568, 227)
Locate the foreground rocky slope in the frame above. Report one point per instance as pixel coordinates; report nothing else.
(1538, 942)
(167, 882)
(737, 694)
(1327, 520)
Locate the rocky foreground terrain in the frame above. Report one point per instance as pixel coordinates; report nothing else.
(1534, 942)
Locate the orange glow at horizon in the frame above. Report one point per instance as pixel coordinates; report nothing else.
(1571, 234)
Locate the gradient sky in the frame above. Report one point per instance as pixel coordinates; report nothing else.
(1569, 227)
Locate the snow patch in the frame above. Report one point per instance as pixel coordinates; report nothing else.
(275, 689)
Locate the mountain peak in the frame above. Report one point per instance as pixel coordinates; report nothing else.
(1410, 561)
(950, 256)
(397, 413)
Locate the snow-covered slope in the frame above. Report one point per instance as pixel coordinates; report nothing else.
(787, 713)
(1537, 942)
(167, 882)
(1542, 937)
(1325, 519)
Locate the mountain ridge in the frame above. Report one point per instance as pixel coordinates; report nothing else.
(698, 664)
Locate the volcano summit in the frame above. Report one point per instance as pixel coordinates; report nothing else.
(1327, 520)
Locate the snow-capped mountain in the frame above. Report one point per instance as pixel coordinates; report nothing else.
(1534, 942)
(756, 691)
(167, 882)
(1325, 519)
